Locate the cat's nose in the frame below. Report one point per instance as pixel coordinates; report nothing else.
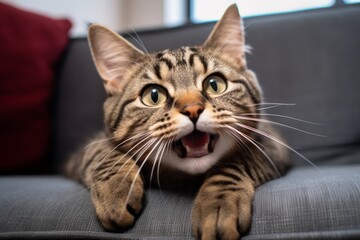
(193, 111)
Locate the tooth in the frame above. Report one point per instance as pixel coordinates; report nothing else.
(206, 146)
(188, 149)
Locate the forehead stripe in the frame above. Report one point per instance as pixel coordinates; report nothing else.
(157, 71)
(253, 96)
(121, 112)
(204, 62)
(167, 62)
(201, 59)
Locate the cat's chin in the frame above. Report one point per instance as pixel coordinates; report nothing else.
(193, 166)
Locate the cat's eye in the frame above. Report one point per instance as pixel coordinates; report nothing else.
(214, 85)
(154, 96)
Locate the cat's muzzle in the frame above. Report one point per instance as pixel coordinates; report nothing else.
(196, 144)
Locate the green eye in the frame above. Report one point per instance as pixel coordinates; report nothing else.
(214, 85)
(154, 96)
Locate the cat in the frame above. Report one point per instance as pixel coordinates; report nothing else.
(192, 113)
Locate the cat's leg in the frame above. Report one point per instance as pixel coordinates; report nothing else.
(222, 208)
(117, 192)
(114, 180)
(118, 200)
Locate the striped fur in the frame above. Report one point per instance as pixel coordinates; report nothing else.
(157, 105)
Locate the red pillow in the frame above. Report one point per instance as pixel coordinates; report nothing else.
(30, 46)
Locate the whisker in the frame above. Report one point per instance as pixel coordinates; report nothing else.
(99, 141)
(248, 24)
(138, 40)
(256, 144)
(238, 140)
(269, 103)
(277, 123)
(107, 155)
(167, 145)
(139, 135)
(84, 190)
(158, 141)
(278, 141)
(269, 107)
(141, 43)
(103, 159)
(111, 166)
(156, 159)
(142, 150)
(282, 116)
(131, 157)
(217, 50)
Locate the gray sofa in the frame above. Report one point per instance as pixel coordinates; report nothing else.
(308, 60)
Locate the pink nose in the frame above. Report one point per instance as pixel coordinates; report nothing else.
(193, 111)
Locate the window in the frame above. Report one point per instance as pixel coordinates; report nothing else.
(351, 1)
(210, 10)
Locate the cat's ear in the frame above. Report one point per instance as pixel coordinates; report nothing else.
(227, 37)
(113, 56)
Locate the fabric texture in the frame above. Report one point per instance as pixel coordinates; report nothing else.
(30, 45)
(319, 202)
(307, 203)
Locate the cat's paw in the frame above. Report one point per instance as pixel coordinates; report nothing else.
(225, 218)
(118, 202)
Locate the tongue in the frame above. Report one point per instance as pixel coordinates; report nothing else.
(195, 140)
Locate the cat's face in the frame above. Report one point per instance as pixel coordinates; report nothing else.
(176, 107)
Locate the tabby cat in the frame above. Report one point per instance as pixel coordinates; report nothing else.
(178, 116)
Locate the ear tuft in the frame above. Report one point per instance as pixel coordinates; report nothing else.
(112, 55)
(227, 37)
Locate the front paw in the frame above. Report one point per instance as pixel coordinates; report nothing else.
(223, 217)
(118, 202)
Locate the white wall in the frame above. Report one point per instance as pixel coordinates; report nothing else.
(143, 13)
(119, 15)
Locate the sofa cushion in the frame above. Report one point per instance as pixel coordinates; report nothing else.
(306, 203)
(30, 46)
(310, 59)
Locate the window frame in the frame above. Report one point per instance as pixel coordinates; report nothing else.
(189, 7)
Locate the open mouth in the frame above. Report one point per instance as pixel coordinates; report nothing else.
(195, 144)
